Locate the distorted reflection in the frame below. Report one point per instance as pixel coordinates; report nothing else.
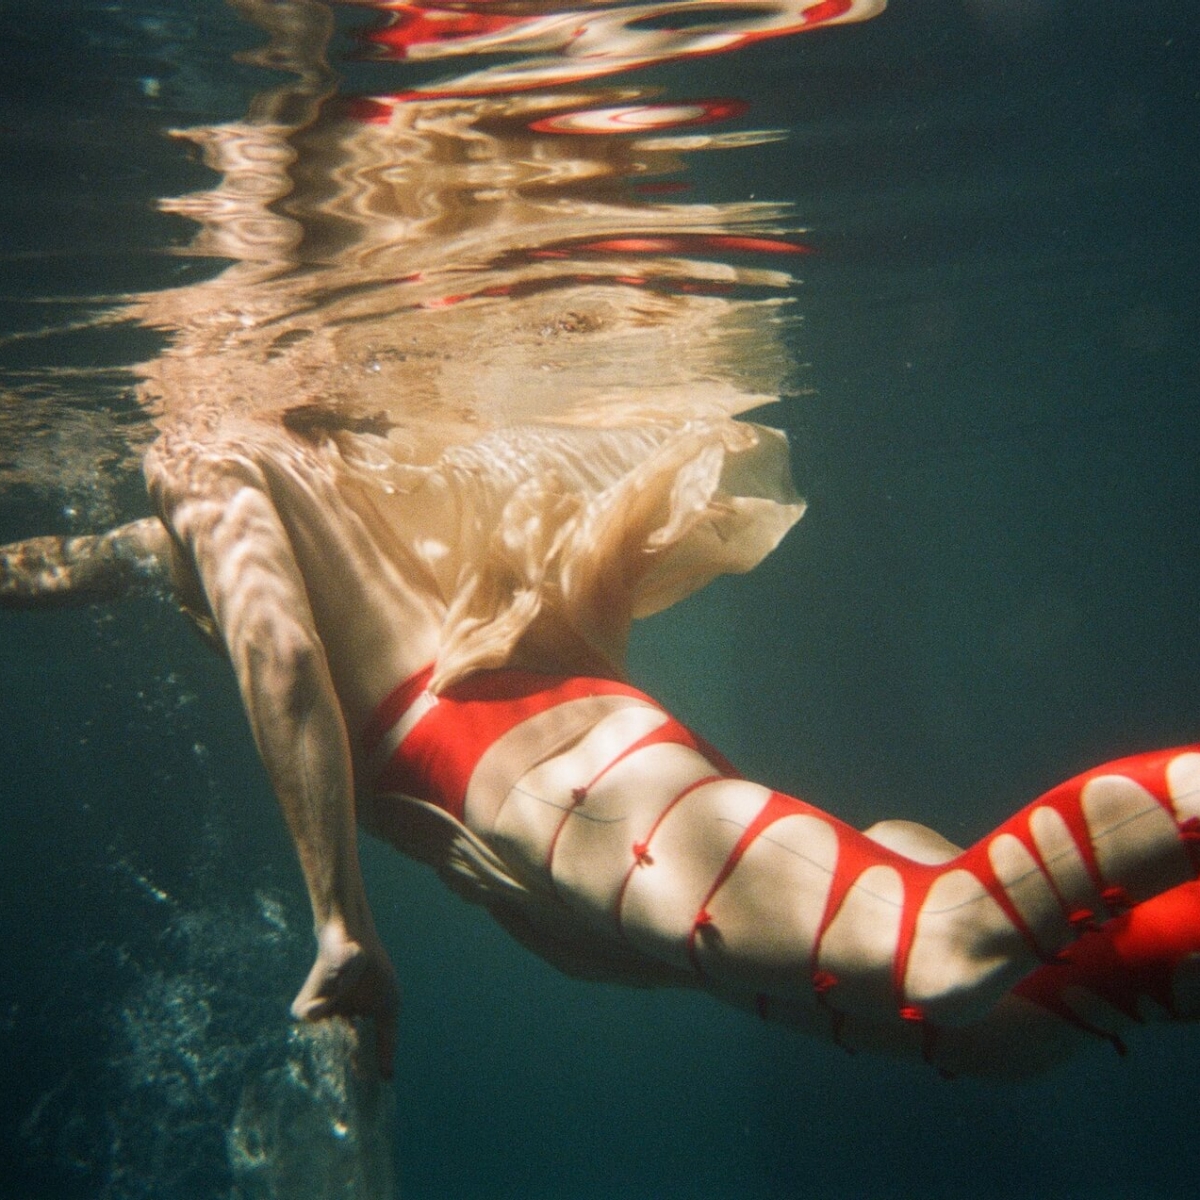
(493, 246)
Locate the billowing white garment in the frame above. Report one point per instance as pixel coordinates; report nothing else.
(543, 542)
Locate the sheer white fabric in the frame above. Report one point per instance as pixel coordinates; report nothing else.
(543, 542)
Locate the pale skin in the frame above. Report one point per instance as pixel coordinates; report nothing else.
(279, 628)
(226, 550)
(292, 572)
(297, 575)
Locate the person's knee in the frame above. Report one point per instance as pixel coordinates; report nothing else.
(965, 952)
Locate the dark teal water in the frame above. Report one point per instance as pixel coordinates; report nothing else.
(996, 585)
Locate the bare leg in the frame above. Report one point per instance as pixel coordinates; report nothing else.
(1143, 964)
(878, 931)
(762, 896)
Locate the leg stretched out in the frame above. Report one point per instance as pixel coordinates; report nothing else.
(640, 833)
(619, 838)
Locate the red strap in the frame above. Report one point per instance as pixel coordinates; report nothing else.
(670, 732)
(395, 705)
(776, 807)
(439, 755)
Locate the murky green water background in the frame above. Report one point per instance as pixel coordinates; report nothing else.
(997, 584)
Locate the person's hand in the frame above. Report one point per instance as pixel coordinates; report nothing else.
(352, 978)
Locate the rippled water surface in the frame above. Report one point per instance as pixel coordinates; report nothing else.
(957, 236)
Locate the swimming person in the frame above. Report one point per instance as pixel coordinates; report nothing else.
(440, 660)
(461, 410)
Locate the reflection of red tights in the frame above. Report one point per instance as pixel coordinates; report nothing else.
(658, 843)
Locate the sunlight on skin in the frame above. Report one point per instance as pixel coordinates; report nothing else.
(463, 407)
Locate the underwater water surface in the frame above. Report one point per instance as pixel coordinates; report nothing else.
(994, 411)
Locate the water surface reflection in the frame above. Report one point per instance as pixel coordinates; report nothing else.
(511, 242)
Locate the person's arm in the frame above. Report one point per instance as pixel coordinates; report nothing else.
(259, 602)
(45, 572)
